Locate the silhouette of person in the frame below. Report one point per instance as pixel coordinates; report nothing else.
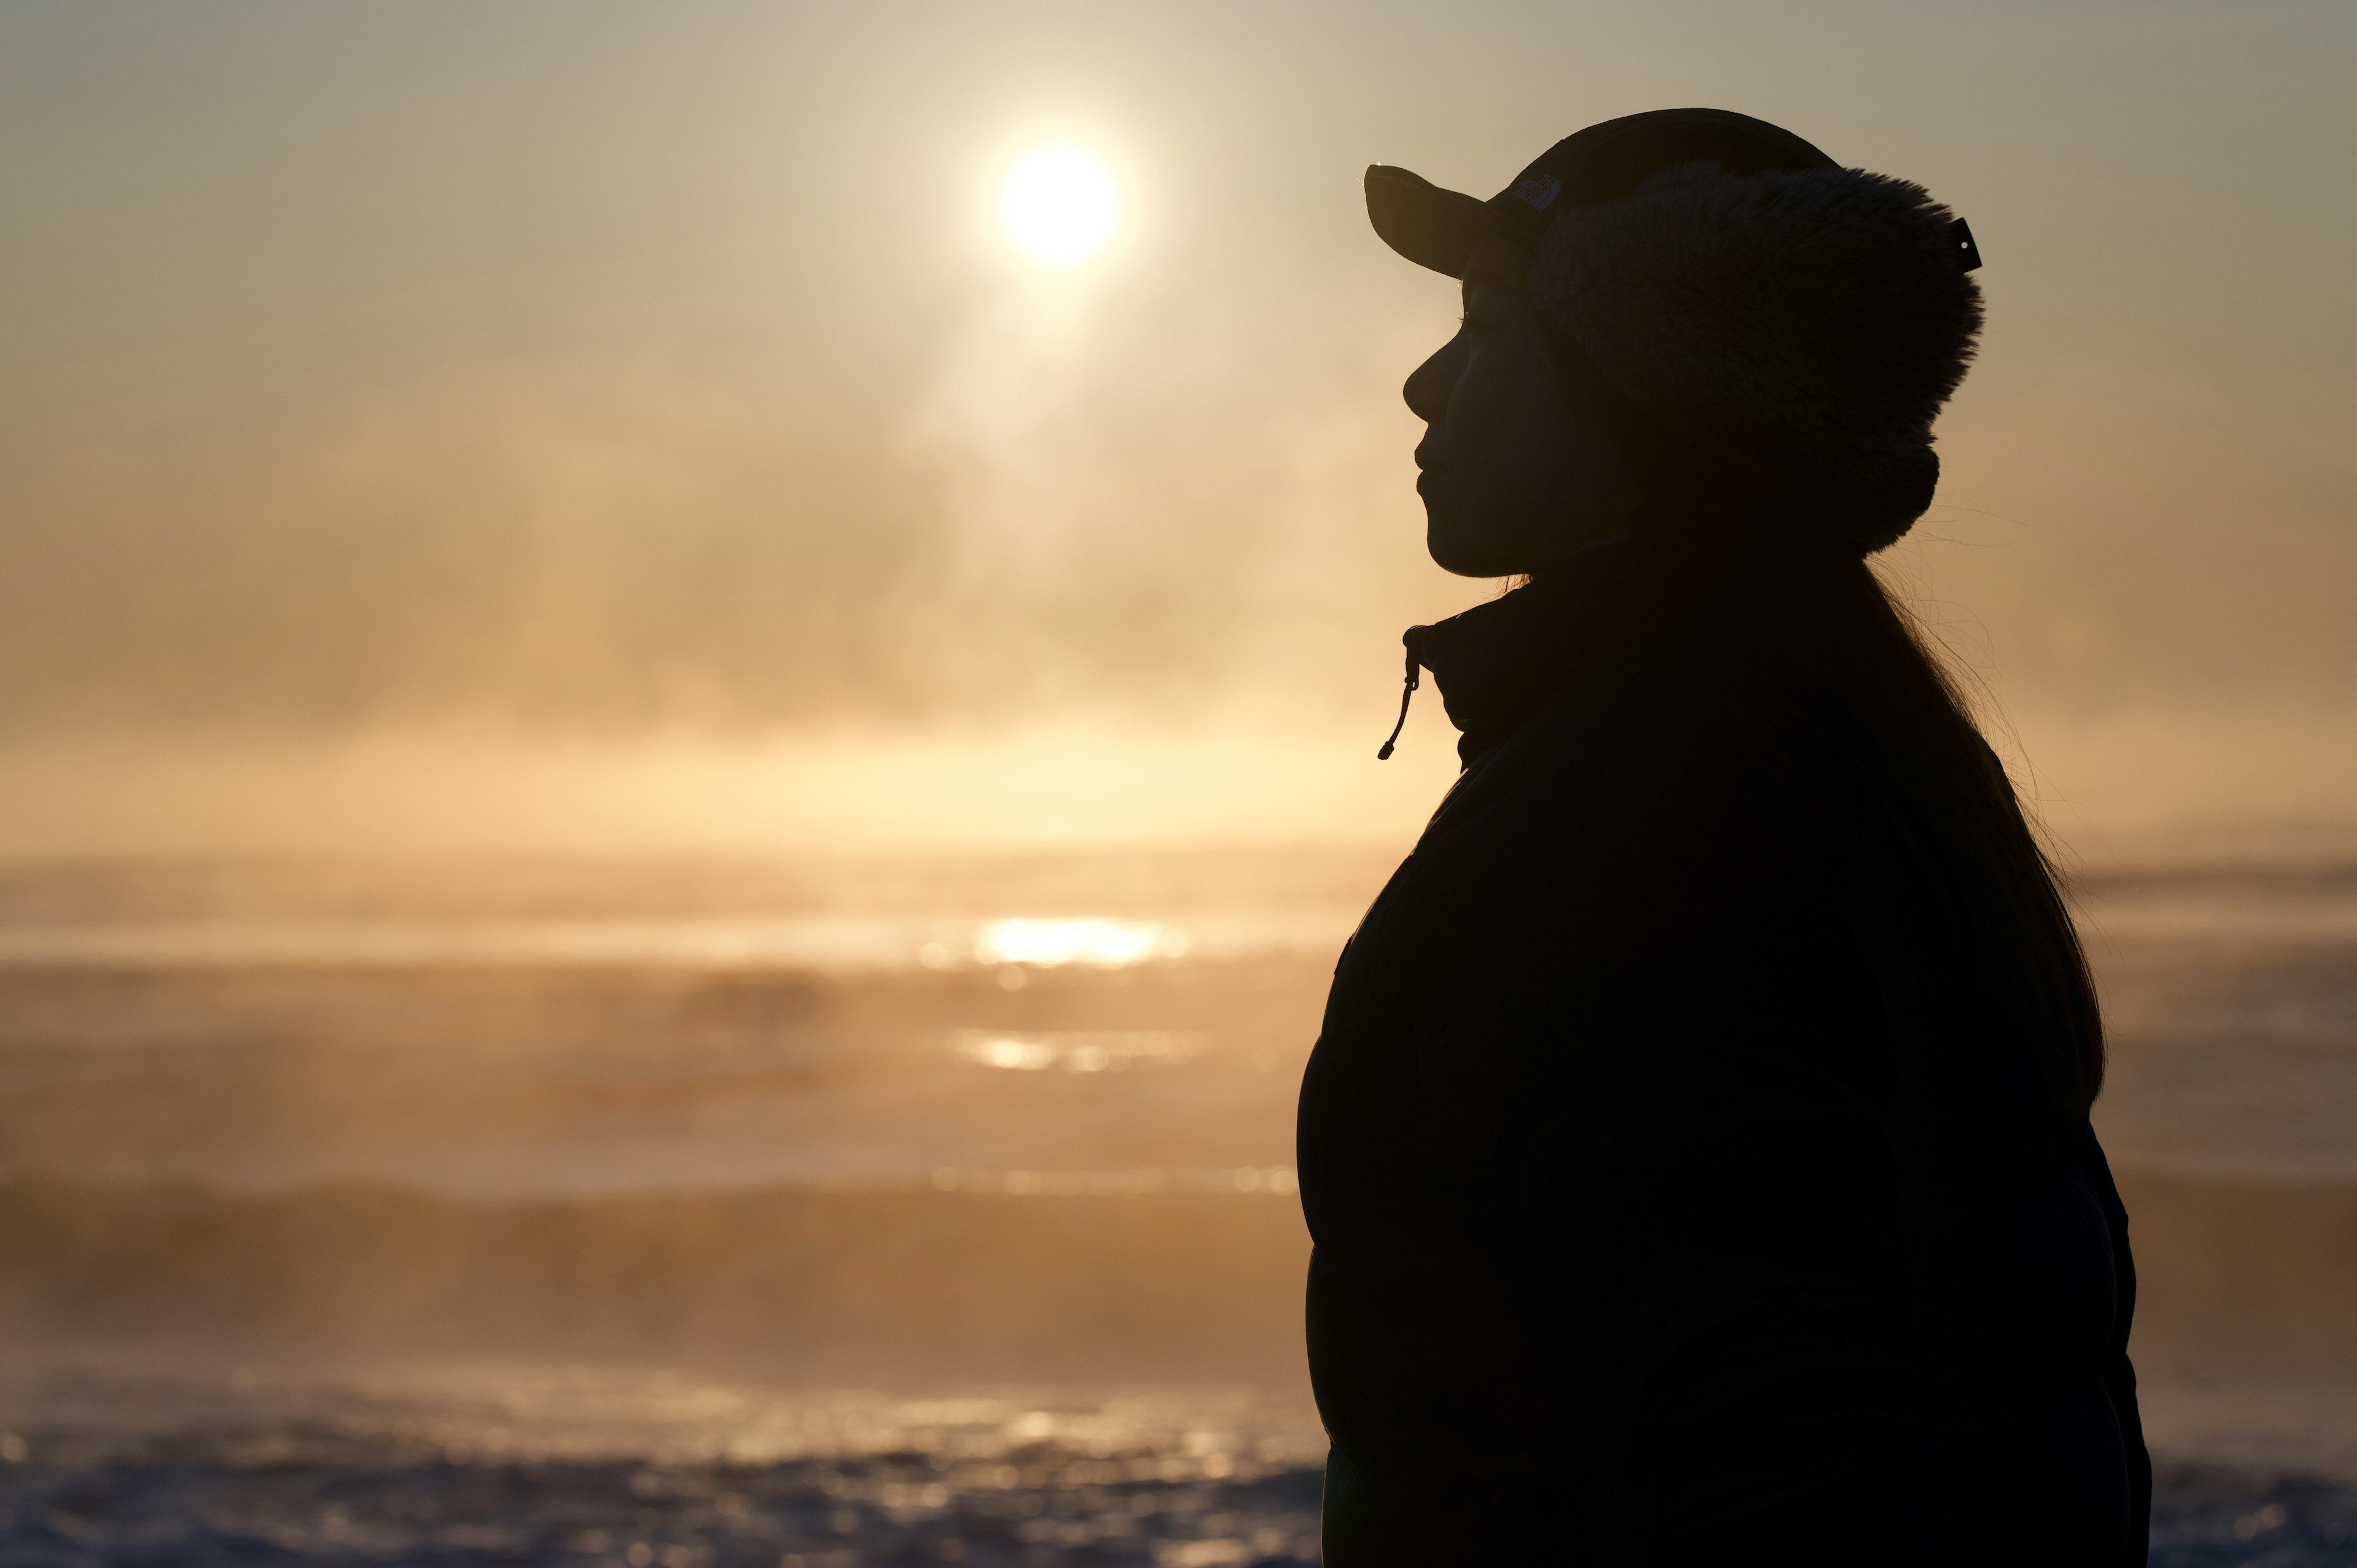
(1697, 1146)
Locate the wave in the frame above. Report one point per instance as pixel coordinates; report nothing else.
(2243, 1278)
(960, 1281)
(922, 1285)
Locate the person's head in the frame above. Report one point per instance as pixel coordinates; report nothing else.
(1688, 321)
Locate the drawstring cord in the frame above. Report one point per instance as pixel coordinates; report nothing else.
(1407, 692)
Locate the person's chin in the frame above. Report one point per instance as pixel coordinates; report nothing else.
(1459, 550)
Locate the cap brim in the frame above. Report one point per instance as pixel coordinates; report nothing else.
(1431, 227)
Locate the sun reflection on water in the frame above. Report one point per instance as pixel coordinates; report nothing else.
(1115, 1050)
(1103, 943)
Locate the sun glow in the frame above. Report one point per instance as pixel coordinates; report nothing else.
(1060, 204)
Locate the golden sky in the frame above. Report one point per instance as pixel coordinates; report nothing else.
(541, 402)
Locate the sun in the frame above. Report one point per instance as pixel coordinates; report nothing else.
(1060, 204)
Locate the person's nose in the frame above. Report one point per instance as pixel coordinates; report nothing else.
(1426, 389)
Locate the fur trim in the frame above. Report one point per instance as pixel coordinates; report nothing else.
(1815, 317)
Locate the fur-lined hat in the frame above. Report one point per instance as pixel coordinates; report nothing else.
(1734, 292)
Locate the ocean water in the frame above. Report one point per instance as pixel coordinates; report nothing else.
(468, 1463)
(704, 1211)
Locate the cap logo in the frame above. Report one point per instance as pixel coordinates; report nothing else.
(1538, 190)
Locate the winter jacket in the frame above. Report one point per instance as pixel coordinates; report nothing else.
(1677, 1197)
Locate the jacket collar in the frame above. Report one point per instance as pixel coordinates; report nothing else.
(1499, 664)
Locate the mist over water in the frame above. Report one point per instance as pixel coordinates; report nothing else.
(687, 1066)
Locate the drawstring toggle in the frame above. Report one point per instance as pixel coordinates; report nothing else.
(1407, 692)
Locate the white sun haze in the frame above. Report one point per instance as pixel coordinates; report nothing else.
(1060, 204)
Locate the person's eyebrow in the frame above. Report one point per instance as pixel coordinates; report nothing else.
(1482, 299)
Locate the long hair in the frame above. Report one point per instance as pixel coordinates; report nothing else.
(1833, 618)
(1784, 540)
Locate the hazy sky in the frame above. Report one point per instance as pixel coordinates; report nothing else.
(613, 376)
